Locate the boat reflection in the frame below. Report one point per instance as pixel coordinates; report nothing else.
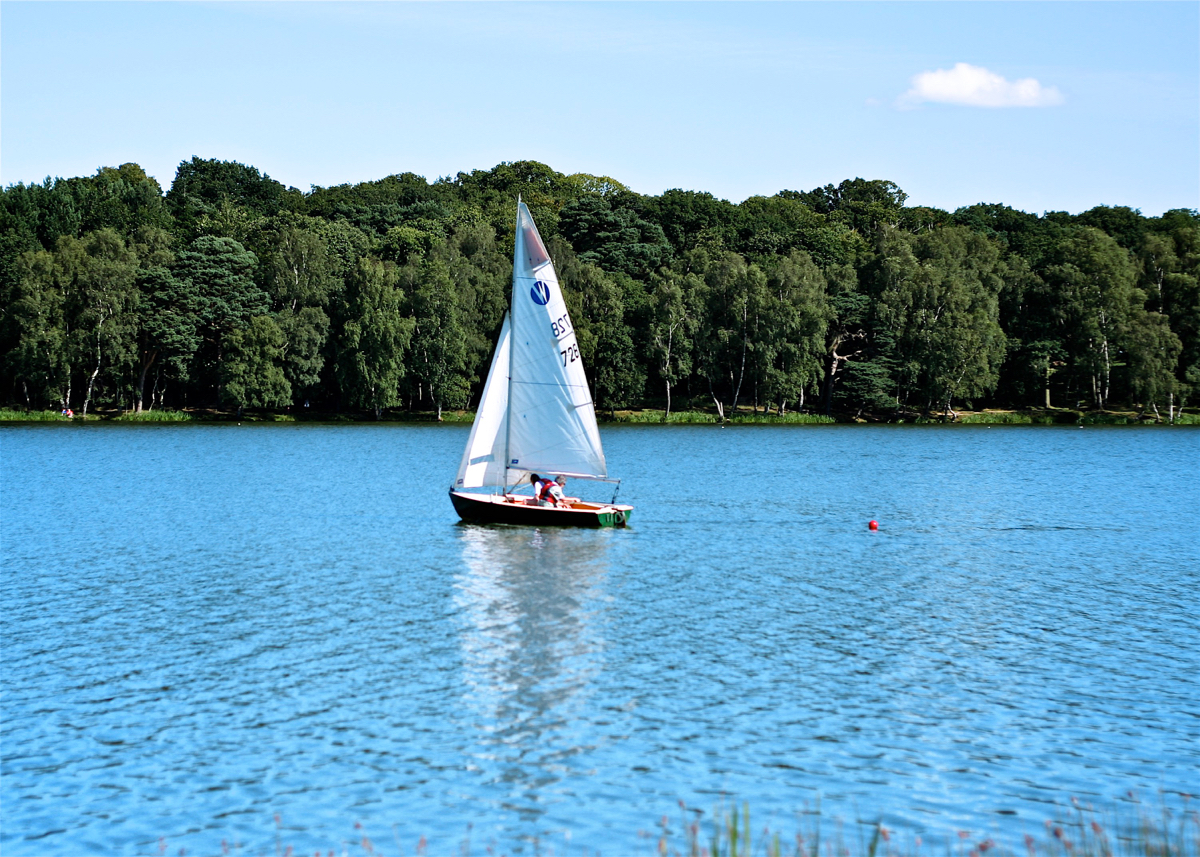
(531, 634)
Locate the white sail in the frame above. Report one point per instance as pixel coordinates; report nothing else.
(482, 463)
(536, 414)
(551, 420)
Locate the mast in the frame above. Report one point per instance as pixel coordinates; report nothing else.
(512, 308)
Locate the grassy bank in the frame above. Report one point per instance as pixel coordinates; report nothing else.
(656, 417)
(13, 415)
(647, 416)
(985, 417)
(153, 417)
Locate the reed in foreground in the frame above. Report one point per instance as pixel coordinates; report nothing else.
(1127, 828)
(1169, 827)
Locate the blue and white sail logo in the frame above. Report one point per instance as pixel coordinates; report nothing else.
(540, 293)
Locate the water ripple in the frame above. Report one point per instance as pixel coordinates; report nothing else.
(206, 626)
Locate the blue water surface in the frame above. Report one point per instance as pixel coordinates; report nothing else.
(208, 627)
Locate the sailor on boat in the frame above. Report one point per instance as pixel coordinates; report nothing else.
(539, 485)
(552, 492)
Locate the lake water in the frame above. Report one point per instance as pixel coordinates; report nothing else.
(206, 626)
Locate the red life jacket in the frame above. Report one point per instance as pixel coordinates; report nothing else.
(544, 490)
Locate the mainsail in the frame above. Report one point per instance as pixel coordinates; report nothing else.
(536, 414)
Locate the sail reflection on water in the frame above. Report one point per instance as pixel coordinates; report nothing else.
(531, 633)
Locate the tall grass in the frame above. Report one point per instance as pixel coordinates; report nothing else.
(153, 417)
(14, 415)
(798, 419)
(656, 416)
(1107, 420)
(651, 417)
(1003, 418)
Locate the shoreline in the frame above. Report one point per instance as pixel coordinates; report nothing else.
(640, 416)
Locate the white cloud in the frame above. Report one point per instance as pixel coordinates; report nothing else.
(977, 87)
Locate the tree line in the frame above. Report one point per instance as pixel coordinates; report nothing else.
(232, 290)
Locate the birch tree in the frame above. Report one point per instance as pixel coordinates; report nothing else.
(1092, 281)
(673, 320)
(798, 316)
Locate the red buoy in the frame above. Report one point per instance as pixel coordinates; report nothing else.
(874, 525)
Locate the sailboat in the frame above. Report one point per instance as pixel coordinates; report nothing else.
(536, 415)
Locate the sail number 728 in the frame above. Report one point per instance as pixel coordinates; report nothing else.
(561, 327)
(570, 353)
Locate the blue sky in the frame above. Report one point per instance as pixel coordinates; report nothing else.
(1038, 105)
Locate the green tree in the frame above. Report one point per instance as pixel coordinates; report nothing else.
(735, 298)
(102, 270)
(605, 186)
(1095, 296)
(1170, 261)
(493, 192)
(1035, 352)
(798, 315)
(169, 319)
(482, 276)
(847, 337)
(300, 285)
(940, 302)
(691, 218)
(596, 302)
(1124, 225)
(251, 365)
(864, 205)
(223, 272)
(74, 311)
(375, 336)
(375, 202)
(218, 190)
(39, 359)
(219, 273)
(1153, 354)
(616, 239)
(1031, 237)
(868, 385)
(408, 242)
(673, 320)
(123, 199)
(775, 226)
(438, 353)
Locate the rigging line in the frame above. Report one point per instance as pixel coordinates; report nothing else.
(549, 384)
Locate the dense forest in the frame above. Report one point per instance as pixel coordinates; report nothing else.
(231, 290)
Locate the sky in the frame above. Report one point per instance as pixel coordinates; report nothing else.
(1043, 106)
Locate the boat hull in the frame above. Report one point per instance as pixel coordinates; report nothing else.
(507, 509)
